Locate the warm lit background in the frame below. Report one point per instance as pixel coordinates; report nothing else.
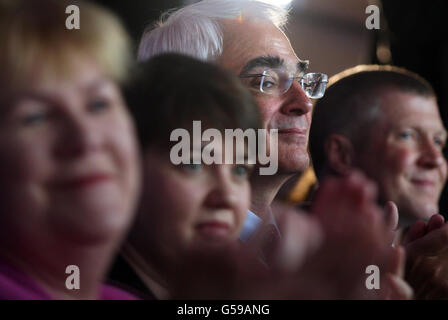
(333, 36)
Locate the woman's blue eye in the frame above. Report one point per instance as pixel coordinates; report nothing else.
(405, 135)
(98, 105)
(439, 142)
(34, 118)
(192, 167)
(241, 171)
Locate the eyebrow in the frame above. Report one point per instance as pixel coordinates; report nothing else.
(32, 94)
(48, 97)
(97, 84)
(29, 95)
(263, 61)
(272, 62)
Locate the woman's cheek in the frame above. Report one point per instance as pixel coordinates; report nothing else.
(443, 172)
(243, 205)
(20, 161)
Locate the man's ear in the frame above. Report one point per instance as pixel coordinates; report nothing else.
(339, 153)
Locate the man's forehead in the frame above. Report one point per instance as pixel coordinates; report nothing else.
(409, 108)
(408, 102)
(251, 40)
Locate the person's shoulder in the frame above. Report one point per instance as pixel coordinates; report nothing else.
(16, 285)
(251, 224)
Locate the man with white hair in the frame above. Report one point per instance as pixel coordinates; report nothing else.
(247, 38)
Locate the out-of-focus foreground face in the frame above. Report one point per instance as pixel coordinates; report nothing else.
(68, 157)
(187, 205)
(405, 154)
(262, 46)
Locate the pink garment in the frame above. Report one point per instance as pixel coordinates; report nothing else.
(15, 285)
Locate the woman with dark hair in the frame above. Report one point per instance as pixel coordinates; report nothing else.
(184, 205)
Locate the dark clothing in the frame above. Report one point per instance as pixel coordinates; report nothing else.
(123, 276)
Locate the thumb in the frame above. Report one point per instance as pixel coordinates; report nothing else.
(391, 215)
(397, 287)
(398, 261)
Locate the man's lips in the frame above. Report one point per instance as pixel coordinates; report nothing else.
(213, 228)
(82, 181)
(292, 131)
(426, 186)
(423, 183)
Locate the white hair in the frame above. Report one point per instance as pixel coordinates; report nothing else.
(195, 30)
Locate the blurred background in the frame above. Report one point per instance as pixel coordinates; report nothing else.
(333, 36)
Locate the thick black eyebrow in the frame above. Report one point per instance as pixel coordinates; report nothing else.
(263, 61)
(272, 62)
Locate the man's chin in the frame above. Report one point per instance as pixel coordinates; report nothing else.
(292, 165)
(418, 211)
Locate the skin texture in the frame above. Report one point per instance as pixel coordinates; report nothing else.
(57, 134)
(404, 154)
(181, 205)
(69, 175)
(246, 40)
(427, 263)
(404, 157)
(243, 42)
(335, 247)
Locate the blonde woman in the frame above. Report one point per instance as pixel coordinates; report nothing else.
(68, 158)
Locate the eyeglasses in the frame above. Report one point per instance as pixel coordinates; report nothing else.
(278, 81)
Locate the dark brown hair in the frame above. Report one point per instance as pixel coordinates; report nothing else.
(170, 91)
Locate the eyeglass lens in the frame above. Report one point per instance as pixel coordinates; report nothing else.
(276, 82)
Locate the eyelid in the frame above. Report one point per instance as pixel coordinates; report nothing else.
(442, 140)
(247, 166)
(100, 87)
(27, 106)
(189, 167)
(407, 131)
(251, 75)
(104, 101)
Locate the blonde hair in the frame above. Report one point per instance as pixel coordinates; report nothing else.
(34, 34)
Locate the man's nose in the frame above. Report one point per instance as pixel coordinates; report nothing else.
(296, 101)
(431, 155)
